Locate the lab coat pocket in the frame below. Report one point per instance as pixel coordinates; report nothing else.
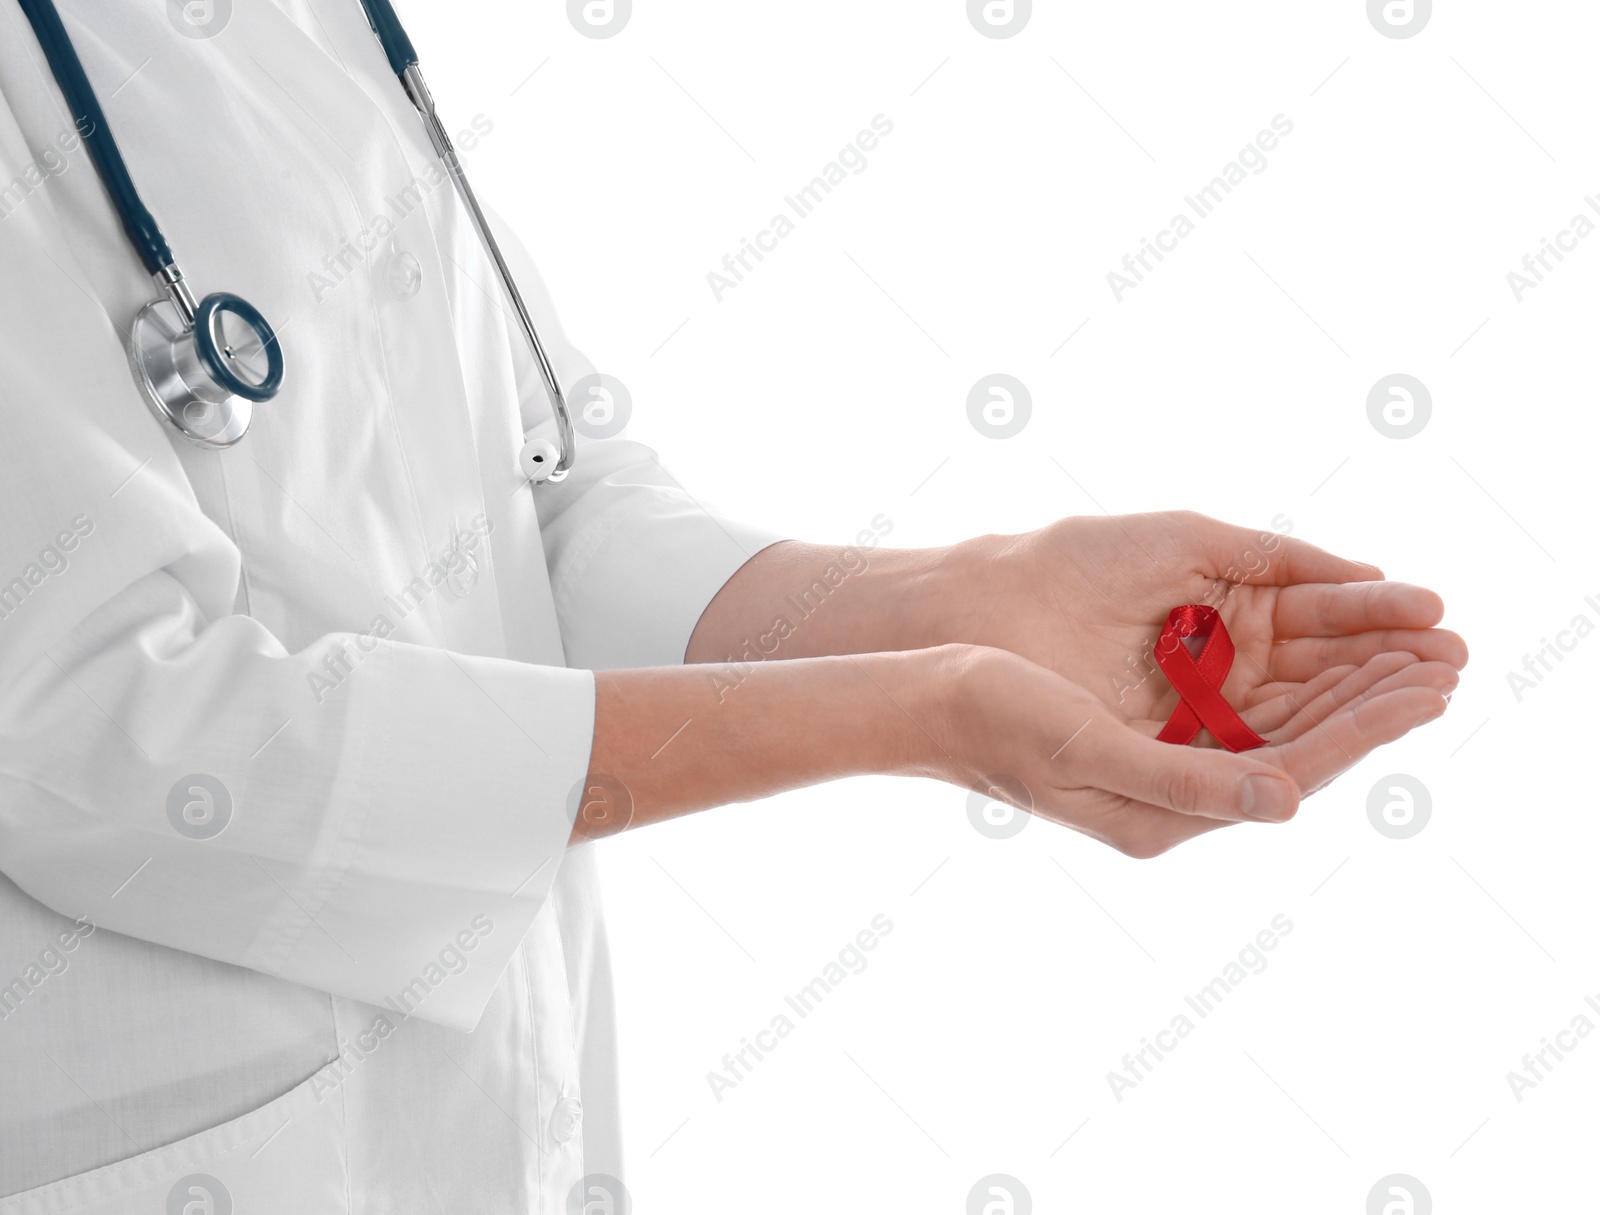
(288, 1155)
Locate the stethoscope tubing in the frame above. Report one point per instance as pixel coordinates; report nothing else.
(402, 56)
(385, 23)
(137, 222)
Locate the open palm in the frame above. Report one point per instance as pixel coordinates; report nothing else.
(1086, 598)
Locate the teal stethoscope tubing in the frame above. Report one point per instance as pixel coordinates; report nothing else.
(136, 219)
(84, 105)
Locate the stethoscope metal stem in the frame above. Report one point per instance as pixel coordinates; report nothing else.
(170, 279)
(417, 90)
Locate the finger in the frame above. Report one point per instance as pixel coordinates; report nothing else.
(1322, 610)
(1271, 689)
(1317, 756)
(1355, 681)
(1189, 780)
(1373, 680)
(1321, 697)
(1239, 553)
(1303, 657)
(1272, 704)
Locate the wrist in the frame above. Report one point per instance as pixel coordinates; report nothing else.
(798, 600)
(958, 591)
(948, 693)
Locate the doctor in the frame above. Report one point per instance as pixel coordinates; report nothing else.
(297, 738)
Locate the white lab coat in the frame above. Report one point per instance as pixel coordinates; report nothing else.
(393, 751)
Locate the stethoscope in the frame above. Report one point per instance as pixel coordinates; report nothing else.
(203, 366)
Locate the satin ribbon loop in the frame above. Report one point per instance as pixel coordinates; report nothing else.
(1198, 680)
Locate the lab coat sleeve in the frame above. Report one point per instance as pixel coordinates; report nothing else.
(634, 557)
(391, 843)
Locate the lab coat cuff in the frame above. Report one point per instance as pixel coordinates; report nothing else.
(464, 793)
(632, 588)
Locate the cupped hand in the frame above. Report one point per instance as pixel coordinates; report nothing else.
(1021, 733)
(1086, 598)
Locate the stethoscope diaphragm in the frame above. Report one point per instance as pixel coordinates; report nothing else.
(205, 377)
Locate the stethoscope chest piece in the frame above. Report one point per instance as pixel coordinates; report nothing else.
(206, 377)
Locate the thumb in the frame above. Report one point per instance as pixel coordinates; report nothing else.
(1204, 781)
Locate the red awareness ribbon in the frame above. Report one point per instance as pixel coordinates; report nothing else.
(1199, 680)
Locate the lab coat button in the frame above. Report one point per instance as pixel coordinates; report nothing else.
(403, 273)
(566, 1120)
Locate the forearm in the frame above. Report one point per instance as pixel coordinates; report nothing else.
(672, 740)
(797, 600)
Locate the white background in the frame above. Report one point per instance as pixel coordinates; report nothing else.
(831, 386)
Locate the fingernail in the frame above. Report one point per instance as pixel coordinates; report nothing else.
(1266, 799)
